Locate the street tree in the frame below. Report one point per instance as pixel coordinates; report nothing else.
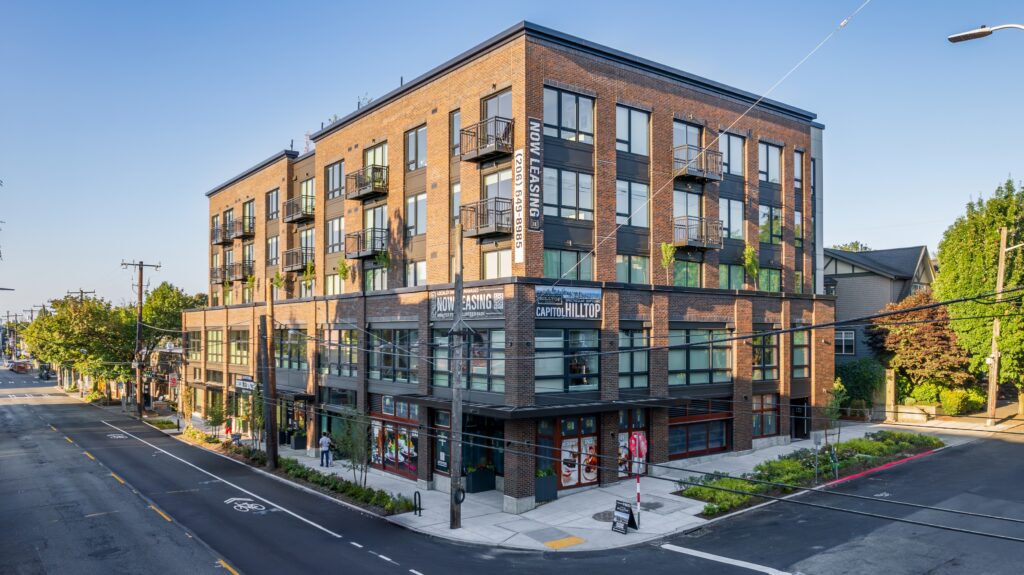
(353, 440)
(854, 246)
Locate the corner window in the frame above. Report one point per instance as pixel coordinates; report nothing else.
(770, 224)
(731, 147)
(801, 354)
(765, 357)
(845, 342)
(568, 264)
(497, 264)
(568, 194)
(631, 205)
(631, 130)
(416, 149)
(768, 162)
(731, 214)
(632, 358)
(568, 116)
(730, 276)
(632, 269)
(335, 179)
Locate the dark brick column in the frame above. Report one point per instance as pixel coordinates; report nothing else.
(520, 464)
(609, 337)
(657, 440)
(822, 360)
(519, 329)
(608, 444)
(785, 369)
(742, 372)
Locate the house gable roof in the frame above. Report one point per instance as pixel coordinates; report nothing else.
(897, 263)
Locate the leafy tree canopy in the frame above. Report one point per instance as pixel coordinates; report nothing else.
(854, 246)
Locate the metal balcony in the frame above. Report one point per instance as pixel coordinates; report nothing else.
(299, 209)
(295, 260)
(490, 217)
(487, 139)
(217, 275)
(369, 182)
(694, 232)
(366, 243)
(240, 272)
(696, 162)
(219, 235)
(243, 228)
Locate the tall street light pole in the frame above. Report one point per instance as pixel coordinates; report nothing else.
(981, 32)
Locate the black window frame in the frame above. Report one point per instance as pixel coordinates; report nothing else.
(725, 145)
(455, 130)
(559, 208)
(415, 223)
(800, 341)
(577, 363)
(273, 204)
(773, 277)
(774, 224)
(761, 415)
(290, 349)
(335, 239)
(275, 258)
(485, 366)
(338, 352)
(392, 353)
(628, 258)
(584, 261)
(692, 270)
(798, 169)
(686, 346)
(725, 215)
(729, 268)
(575, 134)
(334, 177)
(628, 217)
(416, 148)
(764, 152)
(628, 143)
(765, 357)
(634, 358)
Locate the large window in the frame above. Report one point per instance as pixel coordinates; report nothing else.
(845, 342)
(699, 427)
(765, 412)
(486, 361)
(568, 194)
(393, 355)
(333, 284)
(568, 116)
(769, 279)
(770, 224)
(497, 264)
(568, 264)
(238, 347)
(768, 162)
(455, 129)
(214, 346)
(194, 342)
(684, 134)
(731, 147)
(307, 190)
(335, 235)
(730, 276)
(801, 354)
(566, 360)
(416, 149)
(686, 274)
(798, 228)
(498, 185)
(415, 215)
(376, 156)
(765, 357)
(375, 278)
(272, 251)
(335, 179)
(632, 269)
(290, 349)
(416, 273)
(273, 204)
(798, 170)
(339, 352)
(631, 130)
(633, 370)
(731, 214)
(703, 356)
(631, 205)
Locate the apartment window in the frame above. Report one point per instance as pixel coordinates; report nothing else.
(249, 216)
(214, 298)
(307, 288)
(273, 204)
(214, 346)
(765, 357)
(455, 122)
(272, 251)
(375, 279)
(333, 284)
(214, 377)
(631, 203)
(798, 170)
(335, 233)
(568, 116)
(336, 179)
(194, 345)
(307, 191)
(229, 219)
(566, 360)
(339, 352)
(801, 354)
(229, 294)
(798, 229)
(770, 224)
(246, 294)
(798, 282)
(498, 185)
(416, 273)
(416, 215)
(498, 264)
(731, 214)
(769, 279)
(768, 162)
(631, 130)
(632, 269)
(456, 196)
(686, 274)
(416, 149)
(393, 355)
(290, 349)
(376, 156)
(845, 342)
(687, 204)
(702, 356)
(633, 368)
(568, 194)
(238, 347)
(765, 412)
(568, 264)
(731, 147)
(486, 360)
(730, 276)
(498, 105)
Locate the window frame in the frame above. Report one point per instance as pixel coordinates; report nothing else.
(455, 130)
(560, 207)
(214, 346)
(800, 341)
(627, 145)
(849, 338)
(773, 277)
(692, 271)
(397, 346)
(634, 361)
(693, 344)
(338, 352)
(764, 357)
(770, 228)
(272, 203)
(335, 237)
(290, 349)
(571, 358)
(502, 258)
(761, 415)
(334, 177)
(726, 141)
(375, 278)
(415, 215)
(725, 214)
(631, 216)
(416, 148)
(767, 153)
(485, 366)
(729, 269)
(238, 347)
(570, 133)
(273, 256)
(628, 260)
(798, 169)
(418, 275)
(576, 270)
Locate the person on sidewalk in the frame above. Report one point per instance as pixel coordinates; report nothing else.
(325, 450)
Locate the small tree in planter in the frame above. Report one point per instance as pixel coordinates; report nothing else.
(479, 478)
(215, 417)
(668, 260)
(545, 485)
(353, 441)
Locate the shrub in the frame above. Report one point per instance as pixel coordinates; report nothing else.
(909, 401)
(789, 471)
(162, 423)
(976, 399)
(865, 446)
(926, 393)
(858, 408)
(718, 500)
(954, 401)
(907, 439)
(861, 378)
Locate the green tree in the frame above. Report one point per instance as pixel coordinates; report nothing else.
(215, 416)
(668, 260)
(854, 246)
(751, 265)
(353, 440)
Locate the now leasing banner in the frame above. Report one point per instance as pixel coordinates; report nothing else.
(527, 188)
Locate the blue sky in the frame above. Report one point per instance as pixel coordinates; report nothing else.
(116, 117)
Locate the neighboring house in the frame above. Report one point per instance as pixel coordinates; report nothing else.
(865, 282)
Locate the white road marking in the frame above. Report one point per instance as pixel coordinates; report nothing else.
(226, 482)
(415, 572)
(726, 560)
(385, 558)
(356, 544)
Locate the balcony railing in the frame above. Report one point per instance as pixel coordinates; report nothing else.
(295, 259)
(243, 228)
(299, 209)
(219, 235)
(694, 232)
(489, 217)
(487, 139)
(366, 243)
(697, 162)
(240, 271)
(216, 275)
(368, 182)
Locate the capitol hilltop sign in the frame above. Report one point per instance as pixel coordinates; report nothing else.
(557, 302)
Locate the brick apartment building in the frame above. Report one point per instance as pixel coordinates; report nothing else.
(570, 166)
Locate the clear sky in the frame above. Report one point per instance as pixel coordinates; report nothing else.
(116, 117)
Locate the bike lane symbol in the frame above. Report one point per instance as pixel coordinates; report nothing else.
(244, 504)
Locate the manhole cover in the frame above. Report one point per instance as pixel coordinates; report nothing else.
(605, 516)
(645, 506)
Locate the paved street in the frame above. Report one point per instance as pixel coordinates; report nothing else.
(63, 512)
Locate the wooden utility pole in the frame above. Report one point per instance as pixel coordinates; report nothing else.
(270, 376)
(140, 266)
(455, 335)
(81, 292)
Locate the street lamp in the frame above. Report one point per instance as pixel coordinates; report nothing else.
(980, 32)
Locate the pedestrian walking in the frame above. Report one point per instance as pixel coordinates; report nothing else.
(325, 450)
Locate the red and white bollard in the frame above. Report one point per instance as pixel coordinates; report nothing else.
(638, 500)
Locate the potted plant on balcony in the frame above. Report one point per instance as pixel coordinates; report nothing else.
(383, 259)
(545, 485)
(479, 478)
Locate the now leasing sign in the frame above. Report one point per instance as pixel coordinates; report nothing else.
(527, 188)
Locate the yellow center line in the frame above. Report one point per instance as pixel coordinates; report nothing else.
(89, 455)
(162, 514)
(69, 439)
(225, 565)
(119, 480)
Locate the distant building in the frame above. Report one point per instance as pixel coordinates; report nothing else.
(865, 282)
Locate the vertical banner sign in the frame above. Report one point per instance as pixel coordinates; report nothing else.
(535, 168)
(518, 207)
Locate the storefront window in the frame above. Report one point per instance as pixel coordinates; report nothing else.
(290, 349)
(632, 456)
(705, 359)
(566, 360)
(579, 450)
(699, 427)
(395, 437)
(765, 412)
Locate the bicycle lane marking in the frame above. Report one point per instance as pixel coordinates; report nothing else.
(226, 482)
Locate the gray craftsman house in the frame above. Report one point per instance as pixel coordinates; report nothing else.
(864, 282)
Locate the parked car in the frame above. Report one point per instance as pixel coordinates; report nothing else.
(19, 366)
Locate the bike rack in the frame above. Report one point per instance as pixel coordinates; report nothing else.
(417, 504)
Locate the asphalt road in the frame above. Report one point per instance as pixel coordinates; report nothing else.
(63, 512)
